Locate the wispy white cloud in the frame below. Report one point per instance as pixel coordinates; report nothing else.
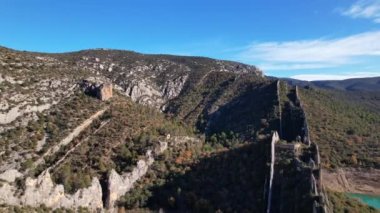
(341, 76)
(313, 54)
(368, 9)
(300, 66)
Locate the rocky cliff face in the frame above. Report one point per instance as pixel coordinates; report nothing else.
(100, 90)
(150, 79)
(147, 79)
(147, 93)
(42, 191)
(118, 185)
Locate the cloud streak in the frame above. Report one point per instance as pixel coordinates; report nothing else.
(343, 76)
(313, 54)
(367, 9)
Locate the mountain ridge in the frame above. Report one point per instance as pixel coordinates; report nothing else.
(366, 84)
(170, 116)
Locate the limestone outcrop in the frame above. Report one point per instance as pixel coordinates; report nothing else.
(172, 88)
(105, 92)
(143, 92)
(10, 175)
(146, 92)
(118, 185)
(42, 191)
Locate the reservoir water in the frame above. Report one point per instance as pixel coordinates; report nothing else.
(370, 200)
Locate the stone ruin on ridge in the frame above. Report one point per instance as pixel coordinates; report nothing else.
(102, 91)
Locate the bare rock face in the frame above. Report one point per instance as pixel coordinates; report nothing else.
(42, 190)
(90, 197)
(104, 91)
(118, 185)
(17, 111)
(173, 88)
(143, 92)
(10, 175)
(146, 92)
(7, 195)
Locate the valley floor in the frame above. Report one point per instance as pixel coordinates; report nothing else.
(352, 180)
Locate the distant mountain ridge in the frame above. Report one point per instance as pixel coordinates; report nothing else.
(354, 84)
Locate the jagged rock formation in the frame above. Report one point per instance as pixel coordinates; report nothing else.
(118, 185)
(143, 92)
(42, 190)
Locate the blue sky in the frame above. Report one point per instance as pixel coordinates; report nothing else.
(304, 39)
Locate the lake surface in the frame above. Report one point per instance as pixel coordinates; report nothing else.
(368, 199)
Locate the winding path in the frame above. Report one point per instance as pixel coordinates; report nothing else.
(71, 136)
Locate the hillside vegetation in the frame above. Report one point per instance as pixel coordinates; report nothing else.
(197, 179)
(115, 141)
(341, 203)
(348, 134)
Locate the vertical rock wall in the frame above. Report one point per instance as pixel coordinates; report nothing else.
(275, 139)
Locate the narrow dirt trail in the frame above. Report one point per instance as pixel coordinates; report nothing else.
(70, 137)
(56, 164)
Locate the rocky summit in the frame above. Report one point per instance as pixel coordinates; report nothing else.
(114, 131)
